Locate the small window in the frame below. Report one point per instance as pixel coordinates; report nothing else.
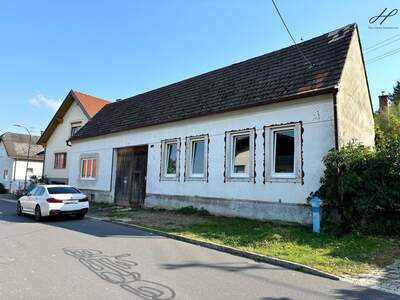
(5, 174)
(196, 158)
(240, 155)
(89, 168)
(60, 160)
(39, 191)
(170, 160)
(33, 192)
(283, 153)
(75, 127)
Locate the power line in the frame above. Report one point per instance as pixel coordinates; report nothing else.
(379, 57)
(373, 46)
(288, 31)
(383, 45)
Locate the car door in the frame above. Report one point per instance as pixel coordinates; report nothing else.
(35, 198)
(26, 201)
(39, 196)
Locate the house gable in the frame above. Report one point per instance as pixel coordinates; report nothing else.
(74, 112)
(89, 106)
(355, 121)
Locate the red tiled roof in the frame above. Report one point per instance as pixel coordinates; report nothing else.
(91, 104)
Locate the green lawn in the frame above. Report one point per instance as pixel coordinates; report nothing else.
(352, 254)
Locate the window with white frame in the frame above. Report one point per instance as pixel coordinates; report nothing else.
(5, 174)
(170, 159)
(196, 158)
(240, 148)
(88, 168)
(283, 152)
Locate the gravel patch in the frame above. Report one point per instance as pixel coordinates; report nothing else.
(386, 279)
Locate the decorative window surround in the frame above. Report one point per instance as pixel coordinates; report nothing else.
(281, 170)
(234, 140)
(191, 143)
(170, 149)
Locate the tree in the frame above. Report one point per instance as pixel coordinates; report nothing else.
(387, 124)
(395, 96)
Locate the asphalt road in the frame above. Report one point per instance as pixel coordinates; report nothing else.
(90, 259)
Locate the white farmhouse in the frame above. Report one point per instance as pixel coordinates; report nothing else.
(14, 163)
(75, 111)
(245, 140)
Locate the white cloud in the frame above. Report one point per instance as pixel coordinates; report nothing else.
(40, 100)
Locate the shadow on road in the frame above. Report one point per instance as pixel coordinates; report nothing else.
(363, 293)
(86, 226)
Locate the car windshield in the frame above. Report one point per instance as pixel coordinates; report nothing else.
(63, 190)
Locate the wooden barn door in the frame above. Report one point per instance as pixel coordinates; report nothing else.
(130, 185)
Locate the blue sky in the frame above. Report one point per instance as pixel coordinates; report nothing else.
(116, 49)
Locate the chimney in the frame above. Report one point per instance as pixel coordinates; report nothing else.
(383, 102)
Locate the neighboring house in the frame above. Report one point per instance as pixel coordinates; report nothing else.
(73, 113)
(245, 140)
(13, 160)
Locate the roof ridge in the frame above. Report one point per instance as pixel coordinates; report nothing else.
(79, 92)
(17, 133)
(239, 62)
(276, 76)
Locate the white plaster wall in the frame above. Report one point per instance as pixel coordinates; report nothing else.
(20, 169)
(57, 141)
(6, 163)
(355, 116)
(316, 114)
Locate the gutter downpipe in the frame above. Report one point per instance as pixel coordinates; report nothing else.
(335, 119)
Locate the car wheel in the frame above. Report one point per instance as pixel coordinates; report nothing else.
(80, 216)
(38, 213)
(19, 209)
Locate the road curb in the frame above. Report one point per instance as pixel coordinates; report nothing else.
(251, 255)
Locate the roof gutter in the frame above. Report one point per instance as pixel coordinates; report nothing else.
(309, 93)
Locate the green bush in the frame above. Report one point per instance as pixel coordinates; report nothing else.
(190, 210)
(361, 186)
(2, 189)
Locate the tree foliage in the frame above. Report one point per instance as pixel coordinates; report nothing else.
(387, 125)
(394, 97)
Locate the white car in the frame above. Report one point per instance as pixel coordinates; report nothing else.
(53, 200)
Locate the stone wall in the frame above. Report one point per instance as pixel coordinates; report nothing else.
(259, 210)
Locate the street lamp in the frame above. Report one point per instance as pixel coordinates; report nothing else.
(29, 150)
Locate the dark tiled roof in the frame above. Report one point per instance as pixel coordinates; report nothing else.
(17, 146)
(265, 79)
